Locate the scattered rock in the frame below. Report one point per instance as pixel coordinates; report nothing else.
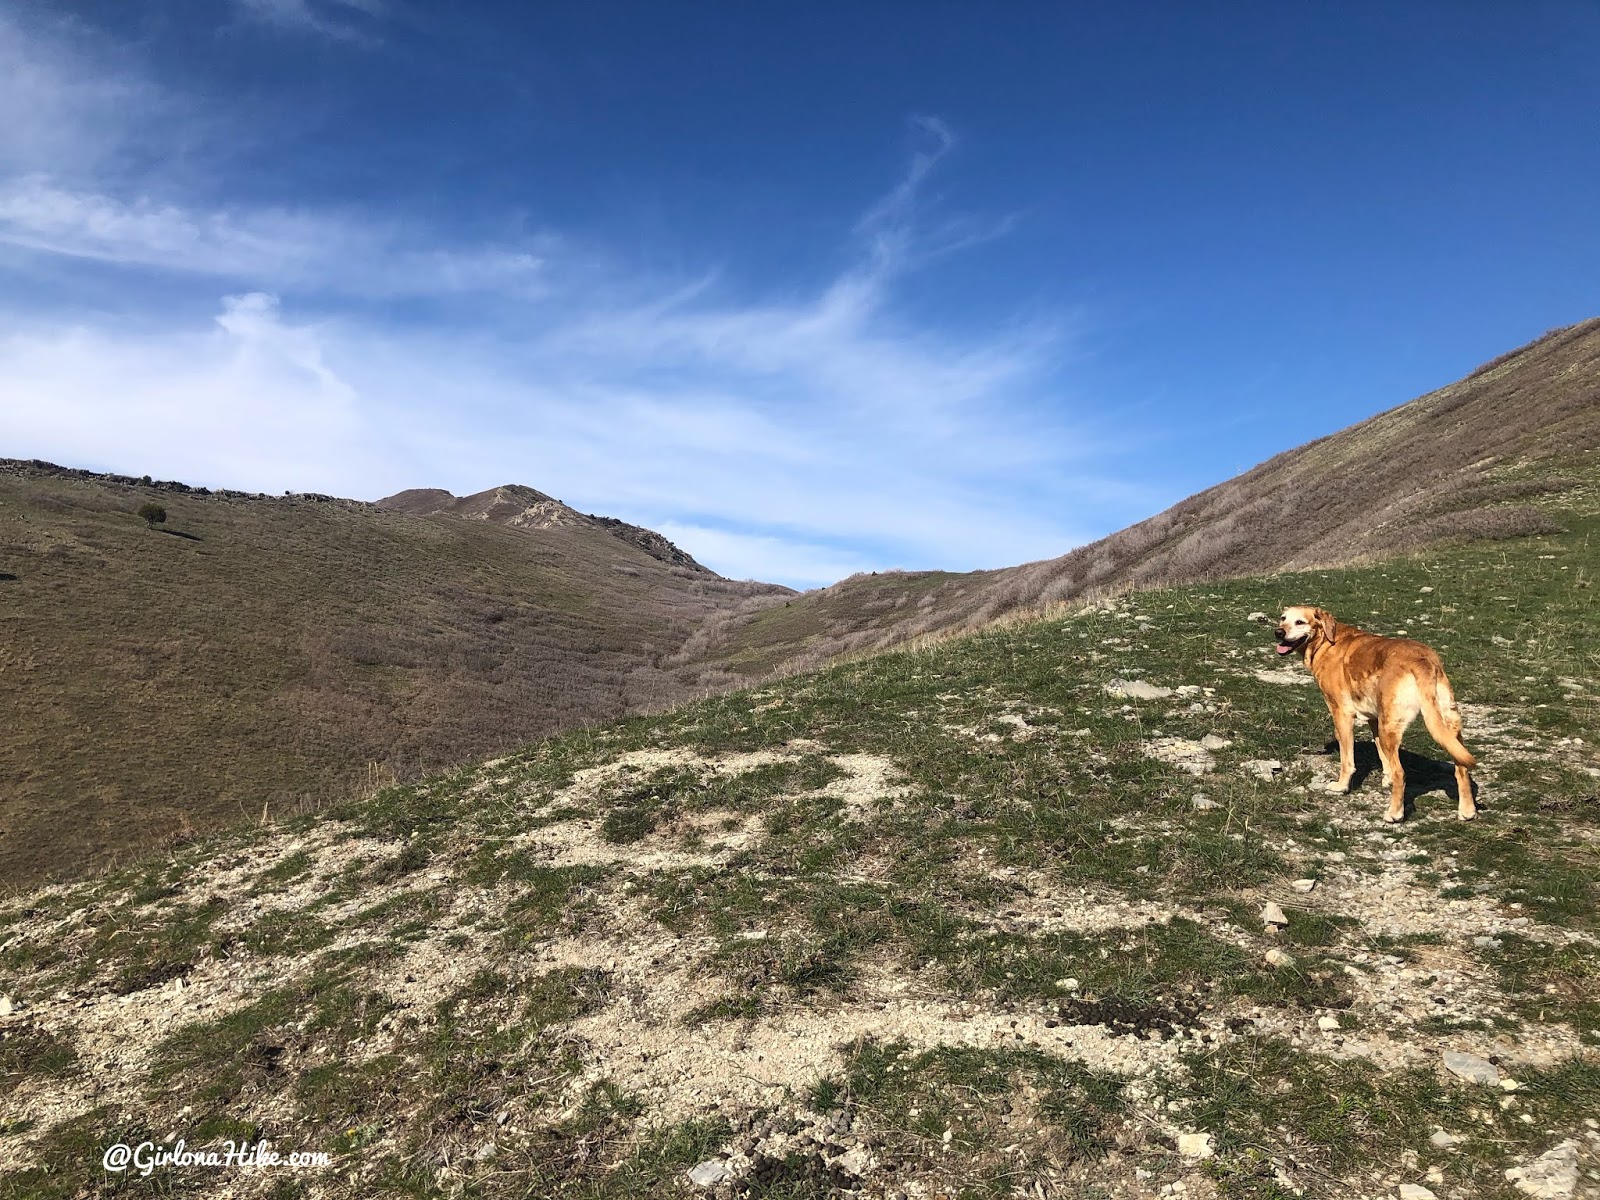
(1442, 1140)
(1137, 689)
(708, 1174)
(1287, 678)
(1484, 942)
(1272, 914)
(1279, 958)
(1182, 753)
(6, 1006)
(1212, 742)
(1303, 885)
(1415, 1191)
(1328, 1024)
(1261, 768)
(1471, 1068)
(1195, 1145)
(1257, 616)
(856, 1162)
(1551, 1176)
(1203, 803)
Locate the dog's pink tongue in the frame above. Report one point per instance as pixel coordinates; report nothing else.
(1283, 649)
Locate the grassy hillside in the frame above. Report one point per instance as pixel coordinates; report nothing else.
(962, 921)
(1467, 461)
(261, 654)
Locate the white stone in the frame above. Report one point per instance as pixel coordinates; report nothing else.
(1279, 958)
(1203, 803)
(1195, 1145)
(1137, 689)
(1271, 914)
(1256, 616)
(1327, 1024)
(1415, 1191)
(1261, 768)
(6, 1007)
(1551, 1176)
(1212, 742)
(1183, 753)
(1471, 1068)
(857, 1161)
(1442, 1140)
(708, 1174)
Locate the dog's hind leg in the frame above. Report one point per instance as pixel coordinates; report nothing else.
(1391, 729)
(1443, 719)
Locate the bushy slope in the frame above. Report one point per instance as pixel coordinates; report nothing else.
(961, 921)
(1467, 461)
(259, 654)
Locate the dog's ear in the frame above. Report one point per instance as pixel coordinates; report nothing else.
(1324, 619)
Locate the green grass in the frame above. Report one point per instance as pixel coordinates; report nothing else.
(958, 1108)
(1262, 1099)
(1550, 983)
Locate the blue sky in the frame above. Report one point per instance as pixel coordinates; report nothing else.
(810, 288)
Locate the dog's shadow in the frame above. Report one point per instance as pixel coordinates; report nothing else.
(1423, 774)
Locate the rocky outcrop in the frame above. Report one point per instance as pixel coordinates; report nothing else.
(521, 507)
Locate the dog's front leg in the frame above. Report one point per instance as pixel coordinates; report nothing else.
(1344, 728)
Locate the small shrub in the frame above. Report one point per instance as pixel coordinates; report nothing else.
(152, 514)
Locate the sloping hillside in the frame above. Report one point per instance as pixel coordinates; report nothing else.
(1472, 460)
(979, 920)
(261, 653)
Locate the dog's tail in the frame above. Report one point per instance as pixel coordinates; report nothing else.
(1443, 719)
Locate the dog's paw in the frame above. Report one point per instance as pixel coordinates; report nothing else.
(1337, 787)
(1394, 818)
(1466, 816)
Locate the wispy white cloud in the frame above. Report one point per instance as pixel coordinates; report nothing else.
(250, 398)
(328, 18)
(66, 100)
(764, 557)
(262, 247)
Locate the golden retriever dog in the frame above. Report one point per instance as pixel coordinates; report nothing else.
(1386, 680)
